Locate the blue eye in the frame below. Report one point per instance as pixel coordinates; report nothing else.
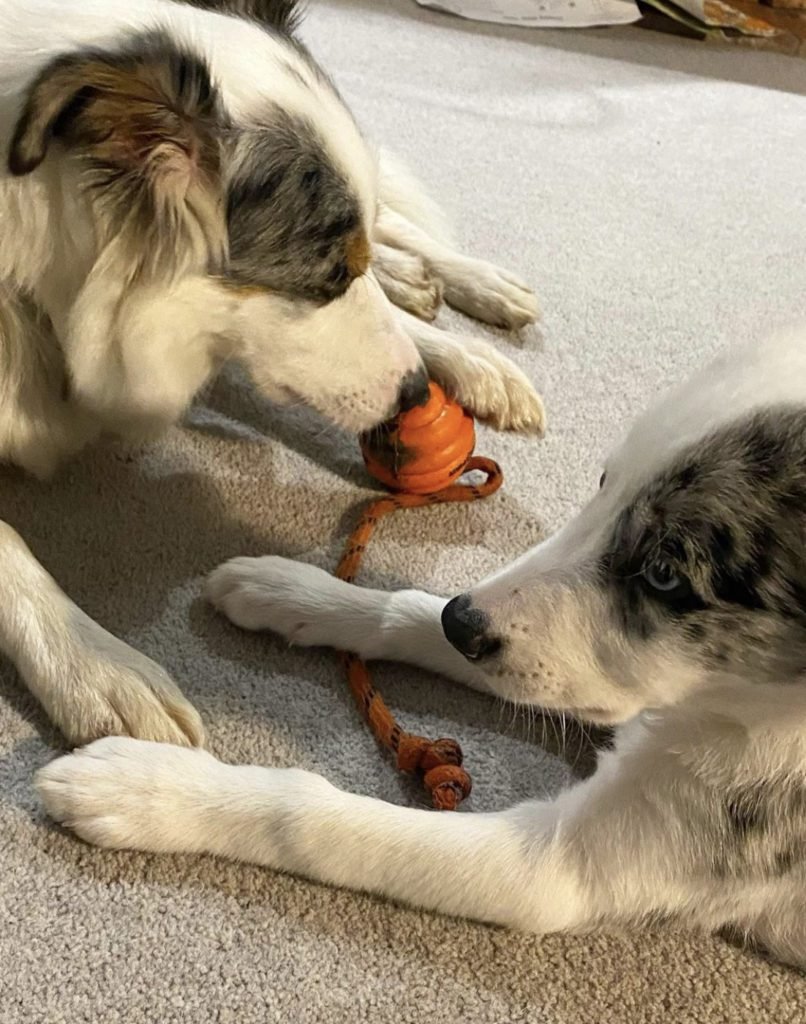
(661, 576)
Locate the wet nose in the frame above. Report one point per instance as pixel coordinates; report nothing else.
(413, 390)
(468, 629)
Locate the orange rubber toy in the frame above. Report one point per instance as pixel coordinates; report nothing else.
(421, 455)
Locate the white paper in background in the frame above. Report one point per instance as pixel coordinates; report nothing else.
(694, 7)
(542, 13)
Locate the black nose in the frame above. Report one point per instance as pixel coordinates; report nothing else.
(413, 390)
(467, 629)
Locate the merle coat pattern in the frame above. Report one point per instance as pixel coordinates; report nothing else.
(671, 607)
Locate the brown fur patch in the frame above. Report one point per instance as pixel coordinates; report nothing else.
(147, 123)
(245, 291)
(357, 253)
(124, 109)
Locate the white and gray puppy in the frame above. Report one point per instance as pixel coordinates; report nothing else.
(182, 186)
(673, 605)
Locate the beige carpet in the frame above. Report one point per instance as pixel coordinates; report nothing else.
(653, 191)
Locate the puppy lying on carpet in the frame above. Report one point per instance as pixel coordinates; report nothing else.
(674, 603)
(184, 186)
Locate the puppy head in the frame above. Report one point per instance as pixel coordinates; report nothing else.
(684, 576)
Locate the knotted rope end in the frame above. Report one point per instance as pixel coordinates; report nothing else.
(440, 764)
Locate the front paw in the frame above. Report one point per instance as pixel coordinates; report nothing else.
(408, 282)
(491, 294)
(103, 687)
(278, 594)
(490, 386)
(130, 794)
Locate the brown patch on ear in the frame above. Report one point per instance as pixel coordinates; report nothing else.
(147, 123)
(141, 111)
(357, 253)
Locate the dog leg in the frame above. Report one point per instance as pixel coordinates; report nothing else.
(309, 607)
(400, 190)
(38, 427)
(479, 377)
(599, 853)
(472, 286)
(90, 683)
(409, 219)
(406, 281)
(782, 935)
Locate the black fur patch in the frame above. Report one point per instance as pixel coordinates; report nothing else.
(294, 221)
(283, 15)
(729, 519)
(762, 831)
(745, 812)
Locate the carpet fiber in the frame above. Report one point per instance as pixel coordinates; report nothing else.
(652, 190)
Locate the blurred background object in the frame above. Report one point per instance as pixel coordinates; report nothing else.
(773, 24)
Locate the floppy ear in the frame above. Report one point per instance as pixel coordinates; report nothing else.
(147, 123)
(151, 111)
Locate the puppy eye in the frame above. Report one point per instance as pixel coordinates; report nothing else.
(661, 576)
(602, 479)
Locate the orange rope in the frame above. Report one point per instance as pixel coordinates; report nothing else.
(438, 761)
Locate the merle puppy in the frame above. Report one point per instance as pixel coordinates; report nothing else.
(673, 606)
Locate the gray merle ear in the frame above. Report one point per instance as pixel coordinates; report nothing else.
(150, 111)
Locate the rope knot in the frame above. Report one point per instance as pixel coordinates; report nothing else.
(448, 785)
(440, 764)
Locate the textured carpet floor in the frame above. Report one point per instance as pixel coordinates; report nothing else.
(653, 192)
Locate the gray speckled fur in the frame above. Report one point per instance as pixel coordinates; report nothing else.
(290, 212)
(729, 516)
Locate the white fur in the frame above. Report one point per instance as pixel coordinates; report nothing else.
(479, 377)
(89, 682)
(89, 347)
(474, 286)
(637, 840)
(407, 281)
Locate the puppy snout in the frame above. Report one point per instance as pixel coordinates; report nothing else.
(413, 390)
(468, 629)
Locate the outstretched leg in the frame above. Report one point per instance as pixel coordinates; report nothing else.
(309, 607)
(617, 847)
(410, 227)
(410, 220)
(90, 683)
(472, 286)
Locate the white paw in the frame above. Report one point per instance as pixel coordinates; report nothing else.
(274, 593)
(489, 385)
(488, 293)
(100, 687)
(407, 282)
(130, 794)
